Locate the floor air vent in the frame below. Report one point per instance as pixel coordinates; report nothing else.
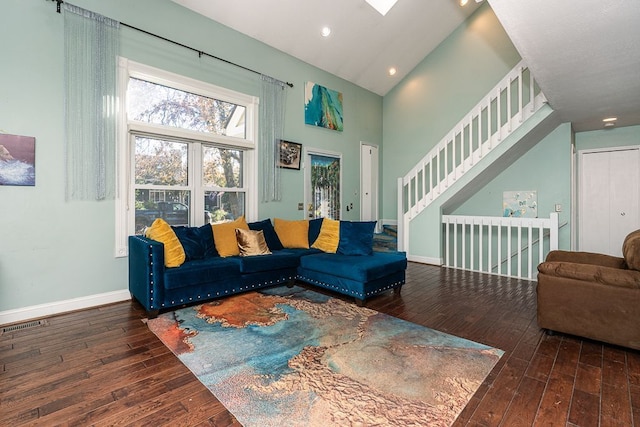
(21, 326)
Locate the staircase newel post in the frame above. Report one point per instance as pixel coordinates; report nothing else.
(553, 231)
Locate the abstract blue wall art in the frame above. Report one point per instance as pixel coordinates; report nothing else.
(322, 107)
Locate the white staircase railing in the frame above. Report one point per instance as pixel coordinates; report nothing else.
(509, 104)
(495, 245)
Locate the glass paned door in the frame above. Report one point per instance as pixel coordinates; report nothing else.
(323, 186)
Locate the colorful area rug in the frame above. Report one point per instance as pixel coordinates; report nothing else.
(295, 357)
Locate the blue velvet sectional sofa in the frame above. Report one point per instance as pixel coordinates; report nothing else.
(206, 275)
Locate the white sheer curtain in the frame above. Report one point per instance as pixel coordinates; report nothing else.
(91, 44)
(272, 108)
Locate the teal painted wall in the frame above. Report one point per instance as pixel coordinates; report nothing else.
(439, 92)
(617, 137)
(545, 168)
(52, 250)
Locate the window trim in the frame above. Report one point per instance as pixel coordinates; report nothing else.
(128, 130)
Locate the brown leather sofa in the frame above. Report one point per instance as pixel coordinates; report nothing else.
(592, 295)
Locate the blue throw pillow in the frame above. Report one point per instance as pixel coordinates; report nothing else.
(205, 235)
(190, 242)
(197, 242)
(269, 232)
(314, 229)
(356, 237)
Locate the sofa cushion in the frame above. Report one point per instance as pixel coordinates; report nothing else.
(292, 234)
(270, 235)
(161, 231)
(197, 242)
(363, 269)
(631, 250)
(356, 238)
(314, 229)
(329, 236)
(224, 236)
(275, 261)
(302, 252)
(203, 271)
(251, 242)
(206, 240)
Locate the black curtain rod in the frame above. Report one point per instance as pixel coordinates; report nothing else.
(199, 52)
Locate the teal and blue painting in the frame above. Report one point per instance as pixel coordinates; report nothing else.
(322, 107)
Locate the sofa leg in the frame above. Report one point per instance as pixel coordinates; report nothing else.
(291, 283)
(359, 302)
(397, 290)
(152, 314)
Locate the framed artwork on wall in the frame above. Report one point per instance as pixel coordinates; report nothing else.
(290, 155)
(17, 160)
(521, 204)
(322, 107)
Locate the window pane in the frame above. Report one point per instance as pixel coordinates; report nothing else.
(325, 187)
(170, 205)
(224, 205)
(221, 167)
(161, 162)
(153, 103)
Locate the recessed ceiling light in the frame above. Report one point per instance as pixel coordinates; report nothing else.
(325, 31)
(392, 71)
(610, 119)
(382, 6)
(609, 124)
(464, 2)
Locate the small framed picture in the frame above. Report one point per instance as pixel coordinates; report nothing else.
(290, 155)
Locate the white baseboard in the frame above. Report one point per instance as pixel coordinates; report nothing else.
(388, 221)
(424, 259)
(43, 310)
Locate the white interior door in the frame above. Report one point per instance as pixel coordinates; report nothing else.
(609, 207)
(369, 183)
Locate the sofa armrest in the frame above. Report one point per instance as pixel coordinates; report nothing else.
(592, 273)
(146, 271)
(586, 258)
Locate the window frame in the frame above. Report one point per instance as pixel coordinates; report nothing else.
(129, 129)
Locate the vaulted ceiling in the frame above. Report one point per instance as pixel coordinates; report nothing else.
(585, 54)
(363, 44)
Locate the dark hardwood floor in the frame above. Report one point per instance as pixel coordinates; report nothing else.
(104, 367)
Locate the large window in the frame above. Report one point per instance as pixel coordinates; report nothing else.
(189, 151)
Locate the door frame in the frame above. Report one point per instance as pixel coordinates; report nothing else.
(375, 185)
(308, 152)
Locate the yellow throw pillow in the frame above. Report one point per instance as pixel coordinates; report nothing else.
(251, 242)
(329, 236)
(162, 232)
(224, 236)
(292, 234)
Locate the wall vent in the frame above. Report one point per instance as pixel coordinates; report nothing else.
(21, 326)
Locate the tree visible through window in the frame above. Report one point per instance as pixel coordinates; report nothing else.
(325, 187)
(167, 173)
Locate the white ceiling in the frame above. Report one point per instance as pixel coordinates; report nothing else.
(363, 44)
(585, 54)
